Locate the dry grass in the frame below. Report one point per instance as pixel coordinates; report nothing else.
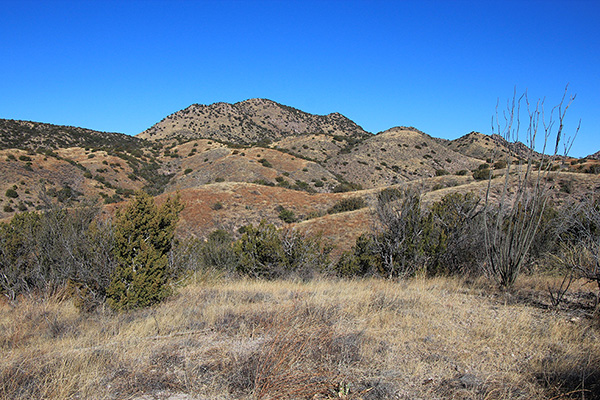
(367, 339)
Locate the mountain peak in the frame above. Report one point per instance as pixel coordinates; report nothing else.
(250, 121)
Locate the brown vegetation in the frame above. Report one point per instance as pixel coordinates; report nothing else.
(369, 339)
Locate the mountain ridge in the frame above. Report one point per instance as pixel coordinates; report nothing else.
(250, 121)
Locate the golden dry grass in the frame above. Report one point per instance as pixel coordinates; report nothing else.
(364, 339)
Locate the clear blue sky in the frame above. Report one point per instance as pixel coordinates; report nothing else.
(439, 66)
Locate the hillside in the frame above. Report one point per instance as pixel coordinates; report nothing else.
(398, 155)
(30, 179)
(302, 161)
(595, 156)
(204, 161)
(35, 135)
(478, 145)
(41, 163)
(489, 147)
(250, 121)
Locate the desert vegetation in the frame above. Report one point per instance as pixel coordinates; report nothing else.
(253, 339)
(487, 289)
(271, 315)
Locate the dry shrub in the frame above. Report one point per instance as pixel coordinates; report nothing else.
(570, 376)
(304, 357)
(291, 365)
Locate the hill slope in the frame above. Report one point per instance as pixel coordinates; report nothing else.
(33, 135)
(595, 156)
(397, 155)
(494, 147)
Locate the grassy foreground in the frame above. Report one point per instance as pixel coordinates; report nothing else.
(364, 339)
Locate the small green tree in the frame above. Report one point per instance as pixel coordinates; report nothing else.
(453, 235)
(265, 252)
(362, 260)
(287, 216)
(259, 251)
(143, 237)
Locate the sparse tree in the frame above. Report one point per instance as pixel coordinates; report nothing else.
(259, 251)
(398, 237)
(303, 255)
(512, 219)
(46, 251)
(580, 241)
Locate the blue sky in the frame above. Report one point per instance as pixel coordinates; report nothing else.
(440, 66)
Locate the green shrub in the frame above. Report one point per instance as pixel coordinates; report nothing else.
(12, 193)
(265, 252)
(124, 192)
(398, 240)
(301, 185)
(500, 164)
(389, 194)
(287, 216)
(593, 169)
(217, 251)
(143, 238)
(284, 184)
(441, 172)
(8, 208)
(187, 171)
(263, 182)
(259, 251)
(44, 251)
(453, 235)
(346, 187)
(115, 198)
(349, 204)
(361, 260)
(265, 163)
(482, 174)
(24, 158)
(462, 172)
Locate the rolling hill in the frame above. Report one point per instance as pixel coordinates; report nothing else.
(235, 164)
